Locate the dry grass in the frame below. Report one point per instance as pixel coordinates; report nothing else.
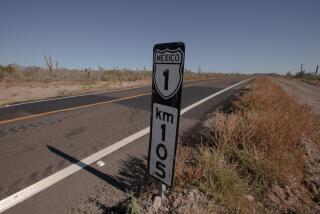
(188, 167)
(274, 125)
(248, 151)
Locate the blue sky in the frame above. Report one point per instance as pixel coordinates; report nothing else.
(220, 36)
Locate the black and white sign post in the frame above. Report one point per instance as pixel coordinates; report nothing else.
(168, 68)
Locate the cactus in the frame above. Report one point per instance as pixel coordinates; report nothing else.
(48, 63)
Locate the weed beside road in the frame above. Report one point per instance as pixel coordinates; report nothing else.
(250, 157)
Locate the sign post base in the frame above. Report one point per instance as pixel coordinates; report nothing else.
(162, 189)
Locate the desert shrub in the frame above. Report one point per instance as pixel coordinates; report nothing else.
(9, 69)
(103, 78)
(220, 177)
(9, 72)
(133, 205)
(300, 74)
(189, 167)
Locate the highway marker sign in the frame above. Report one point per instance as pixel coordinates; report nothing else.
(168, 68)
(166, 61)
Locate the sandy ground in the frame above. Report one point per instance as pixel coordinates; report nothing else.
(36, 91)
(304, 92)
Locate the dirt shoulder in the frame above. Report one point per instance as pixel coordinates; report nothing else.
(306, 93)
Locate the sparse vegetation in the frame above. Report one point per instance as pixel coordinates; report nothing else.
(12, 73)
(133, 207)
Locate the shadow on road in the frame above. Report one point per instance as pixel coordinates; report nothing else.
(90, 169)
(132, 175)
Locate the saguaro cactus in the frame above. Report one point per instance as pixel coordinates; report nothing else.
(48, 62)
(57, 66)
(301, 68)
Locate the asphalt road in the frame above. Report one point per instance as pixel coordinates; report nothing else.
(40, 139)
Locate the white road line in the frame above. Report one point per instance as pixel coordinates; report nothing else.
(37, 187)
(211, 96)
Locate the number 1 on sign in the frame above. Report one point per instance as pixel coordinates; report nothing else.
(163, 129)
(166, 79)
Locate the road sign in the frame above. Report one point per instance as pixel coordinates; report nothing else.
(168, 68)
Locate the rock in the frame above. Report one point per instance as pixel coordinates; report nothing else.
(273, 198)
(313, 188)
(191, 196)
(306, 146)
(164, 209)
(316, 181)
(278, 191)
(175, 204)
(249, 198)
(156, 203)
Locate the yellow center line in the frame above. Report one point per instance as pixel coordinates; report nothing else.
(69, 109)
(84, 106)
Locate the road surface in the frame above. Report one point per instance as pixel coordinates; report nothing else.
(49, 150)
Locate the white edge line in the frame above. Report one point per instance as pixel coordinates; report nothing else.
(37, 187)
(211, 96)
(43, 184)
